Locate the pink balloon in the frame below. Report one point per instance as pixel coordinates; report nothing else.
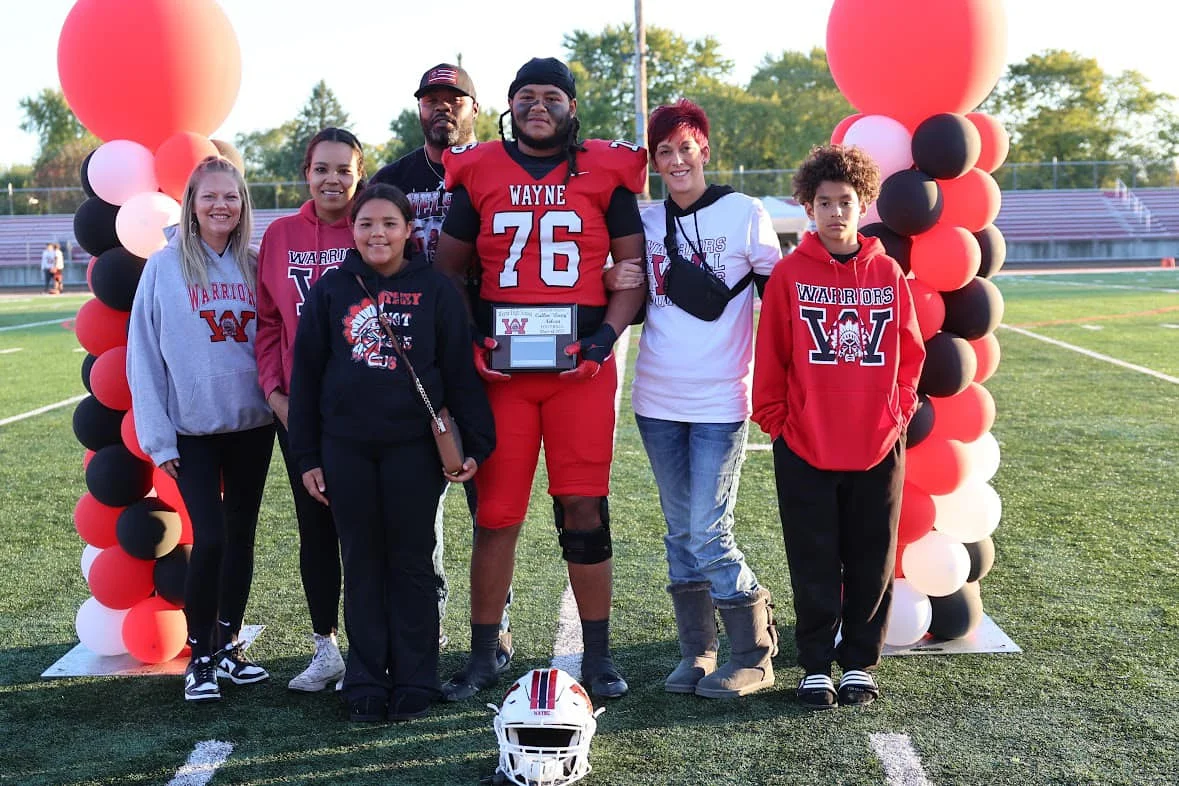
(120, 169)
(888, 142)
(140, 222)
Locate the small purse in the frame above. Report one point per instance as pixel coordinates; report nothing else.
(446, 434)
(695, 288)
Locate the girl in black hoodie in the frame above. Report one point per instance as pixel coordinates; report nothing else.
(361, 436)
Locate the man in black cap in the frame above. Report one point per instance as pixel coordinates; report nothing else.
(542, 213)
(447, 109)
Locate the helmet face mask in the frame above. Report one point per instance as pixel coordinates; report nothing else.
(544, 728)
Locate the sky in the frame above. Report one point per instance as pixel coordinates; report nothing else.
(372, 53)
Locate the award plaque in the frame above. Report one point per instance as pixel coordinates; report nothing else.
(533, 338)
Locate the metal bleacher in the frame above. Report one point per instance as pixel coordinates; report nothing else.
(1081, 214)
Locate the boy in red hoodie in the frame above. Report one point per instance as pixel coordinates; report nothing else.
(838, 357)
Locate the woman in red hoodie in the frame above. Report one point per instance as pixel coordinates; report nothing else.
(295, 252)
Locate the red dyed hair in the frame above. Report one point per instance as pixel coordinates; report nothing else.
(682, 114)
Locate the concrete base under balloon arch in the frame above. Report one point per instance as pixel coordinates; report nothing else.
(987, 639)
(81, 662)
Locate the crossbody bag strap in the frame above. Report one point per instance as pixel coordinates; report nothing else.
(673, 252)
(396, 339)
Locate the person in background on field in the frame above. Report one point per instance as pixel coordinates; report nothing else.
(199, 412)
(838, 358)
(58, 269)
(295, 252)
(48, 264)
(360, 434)
(691, 401)
(447, 108)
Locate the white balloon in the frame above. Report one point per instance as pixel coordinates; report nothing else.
(100, 629)
(140, 222)
(984, 458)
(120, 169)
(88, 555)
(888, 142)
(909, 615)
(969, 513)
(935, 564)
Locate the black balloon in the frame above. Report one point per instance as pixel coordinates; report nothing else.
(956, 615)
(85, 174)
(87, 364)
(982, 558)
(974, 310)
(950, 364)
(946, 146)
(94, 226)
(896, 246)
(96, 425)
(994, 250)
(115, 276)
(169, 574)
(116, 477)
(148, 529)
(910, 202)
(922, 422)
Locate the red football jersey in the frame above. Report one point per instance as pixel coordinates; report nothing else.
(544, 241)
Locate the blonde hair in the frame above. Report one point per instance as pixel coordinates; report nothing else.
(194, 259)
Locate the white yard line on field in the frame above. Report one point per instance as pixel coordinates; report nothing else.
(10, 351)
(1096, 355)
(34, 324)
(1103, 285)
(202, 763)
(902, 765)
(42, 410)
(568, 646)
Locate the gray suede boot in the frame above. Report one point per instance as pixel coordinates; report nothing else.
(696, 621)
(754, 641)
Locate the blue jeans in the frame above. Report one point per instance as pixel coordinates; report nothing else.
(697, 467)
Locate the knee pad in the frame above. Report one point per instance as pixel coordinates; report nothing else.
(585, 547)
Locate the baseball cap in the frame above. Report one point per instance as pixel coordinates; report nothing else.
(447, 75)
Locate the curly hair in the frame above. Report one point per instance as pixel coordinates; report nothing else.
(839, 164)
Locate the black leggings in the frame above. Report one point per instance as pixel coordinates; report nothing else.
(222, 562)
(319, 549)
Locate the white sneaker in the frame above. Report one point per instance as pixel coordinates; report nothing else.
(327, 666)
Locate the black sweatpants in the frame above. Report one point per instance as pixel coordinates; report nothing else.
(384, 497)
(840, 530)
(319, 549)
(221, 565)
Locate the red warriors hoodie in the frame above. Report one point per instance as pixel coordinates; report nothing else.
(838, 355)
(296, 250)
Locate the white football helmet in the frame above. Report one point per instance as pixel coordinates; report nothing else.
(544, 728)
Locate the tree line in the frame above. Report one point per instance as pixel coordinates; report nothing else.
(1057, 105)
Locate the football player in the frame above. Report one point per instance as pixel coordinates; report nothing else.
(542, 213)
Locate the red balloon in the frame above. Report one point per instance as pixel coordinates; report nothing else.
(930, 308)
(89, 454)
(899, 572)
(108, 379)
(842, 126)
(146, 69)
(130, 438)
(986, 350)
(100, 327)
(996, 142)
(970, 201)
(95, 522)
(154, 630)
(917, 515)
(942, 57)
(118, 580)
(177, 157)
(936, 466)
(946, 257)
(965, 416)
(89, 271)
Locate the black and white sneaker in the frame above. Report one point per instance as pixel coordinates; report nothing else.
(233, 664)
(200, 680)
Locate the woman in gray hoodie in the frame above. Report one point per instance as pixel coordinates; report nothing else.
(200, 413)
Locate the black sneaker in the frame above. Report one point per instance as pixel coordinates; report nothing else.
(816, 692)
(367, 709)
(472, 678)
(604, 679)
(857, 688)
(233, 664)
(409, 704)
(200, 680)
